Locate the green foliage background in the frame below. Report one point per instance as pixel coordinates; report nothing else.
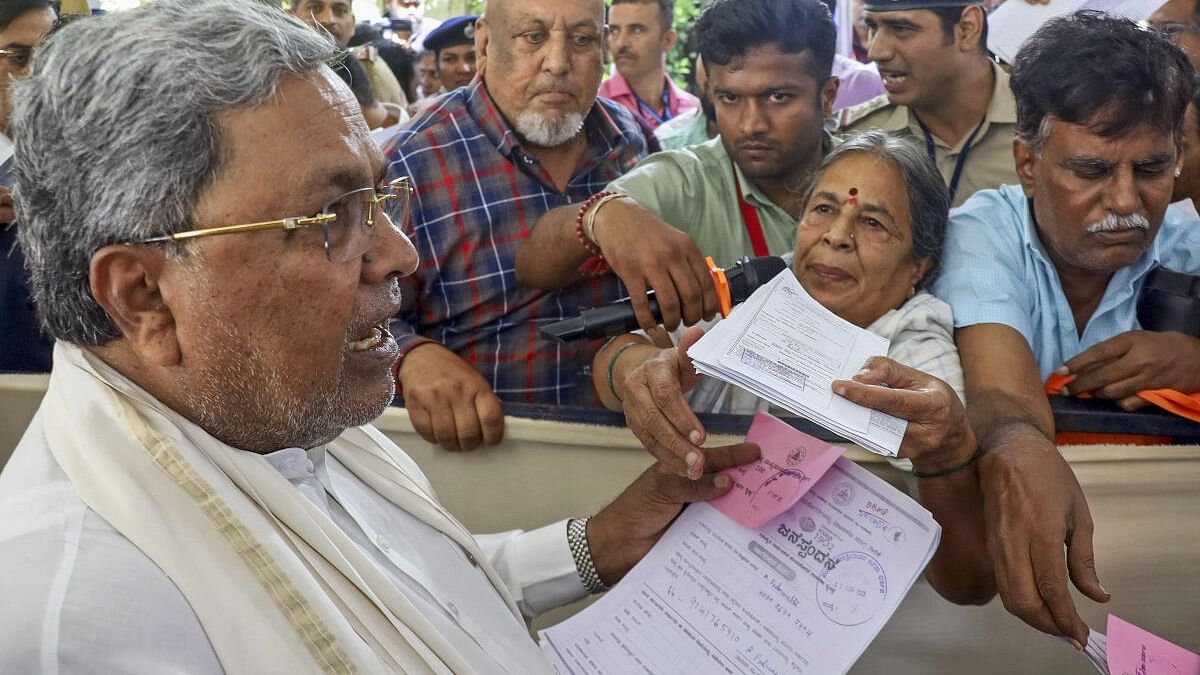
(679, 61)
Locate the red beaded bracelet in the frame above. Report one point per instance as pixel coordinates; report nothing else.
(595, 265)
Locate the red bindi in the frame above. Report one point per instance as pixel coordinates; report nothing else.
(853, 196)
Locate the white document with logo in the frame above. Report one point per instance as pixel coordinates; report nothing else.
(784, 346)
(805, 593)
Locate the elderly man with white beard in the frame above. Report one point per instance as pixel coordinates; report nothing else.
(487, 161)
(196, 494)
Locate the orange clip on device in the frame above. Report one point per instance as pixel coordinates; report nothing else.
(722, 283)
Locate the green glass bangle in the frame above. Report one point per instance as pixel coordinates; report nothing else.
(612, 364)
(979, 450)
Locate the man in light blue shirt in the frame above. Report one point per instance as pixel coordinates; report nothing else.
(998, 271)
(1044, 277)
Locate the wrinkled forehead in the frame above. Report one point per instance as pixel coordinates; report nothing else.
(1104, 133)
(548, 13)
(867, 177)
(340, 114)
(309, 137)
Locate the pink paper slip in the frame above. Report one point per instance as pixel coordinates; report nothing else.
(1133, 651)
(792, 462)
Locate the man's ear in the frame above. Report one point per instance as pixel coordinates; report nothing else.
(125, 282)
(669, 39)
(969, 29)
(1025, 162)
(482, 40)
(829, 95)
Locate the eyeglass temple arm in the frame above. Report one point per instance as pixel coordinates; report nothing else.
(284, 224)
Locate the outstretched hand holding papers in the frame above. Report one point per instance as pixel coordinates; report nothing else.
(787, 348)
(806, 591)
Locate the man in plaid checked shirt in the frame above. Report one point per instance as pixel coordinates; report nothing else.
(486, 162)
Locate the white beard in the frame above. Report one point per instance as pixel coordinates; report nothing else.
(548, 131)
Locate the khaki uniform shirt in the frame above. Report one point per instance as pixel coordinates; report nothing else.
(383, 81)
(989, 163)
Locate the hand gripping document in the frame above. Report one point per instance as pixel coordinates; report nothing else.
(805, 591)
(787, 348)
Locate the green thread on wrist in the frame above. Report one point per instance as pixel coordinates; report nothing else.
(979, 450)
(612, 364)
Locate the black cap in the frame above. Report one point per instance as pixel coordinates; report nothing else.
(904, 5)
(457, 31)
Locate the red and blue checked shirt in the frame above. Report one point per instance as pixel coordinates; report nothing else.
(477, 197)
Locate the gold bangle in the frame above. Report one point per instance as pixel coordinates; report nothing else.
(589, 227)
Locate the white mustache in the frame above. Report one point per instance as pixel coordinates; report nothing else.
(1112, 223)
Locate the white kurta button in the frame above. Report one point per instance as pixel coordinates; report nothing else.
(383, 544)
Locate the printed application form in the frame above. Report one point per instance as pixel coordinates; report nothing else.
(784, 346)
(805, 593)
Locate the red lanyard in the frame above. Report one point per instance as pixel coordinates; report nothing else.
(758, 242)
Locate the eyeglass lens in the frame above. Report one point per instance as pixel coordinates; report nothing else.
(356, 215)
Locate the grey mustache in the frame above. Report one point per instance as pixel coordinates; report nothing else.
(1112, 223)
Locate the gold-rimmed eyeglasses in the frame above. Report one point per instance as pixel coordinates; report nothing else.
(348, 222)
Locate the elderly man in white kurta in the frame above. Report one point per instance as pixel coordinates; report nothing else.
(197, 493)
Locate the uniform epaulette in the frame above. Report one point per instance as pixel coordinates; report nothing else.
(849, 116)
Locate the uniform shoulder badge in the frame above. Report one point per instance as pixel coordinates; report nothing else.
(850, 116)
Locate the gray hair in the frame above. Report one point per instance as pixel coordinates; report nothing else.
(117, 134)
(1100, 71)
(1035, 142)
(928, 198)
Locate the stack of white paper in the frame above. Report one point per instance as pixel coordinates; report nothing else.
(787, 348)
(805, 593)
(1096, 651)
(1014, 22)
